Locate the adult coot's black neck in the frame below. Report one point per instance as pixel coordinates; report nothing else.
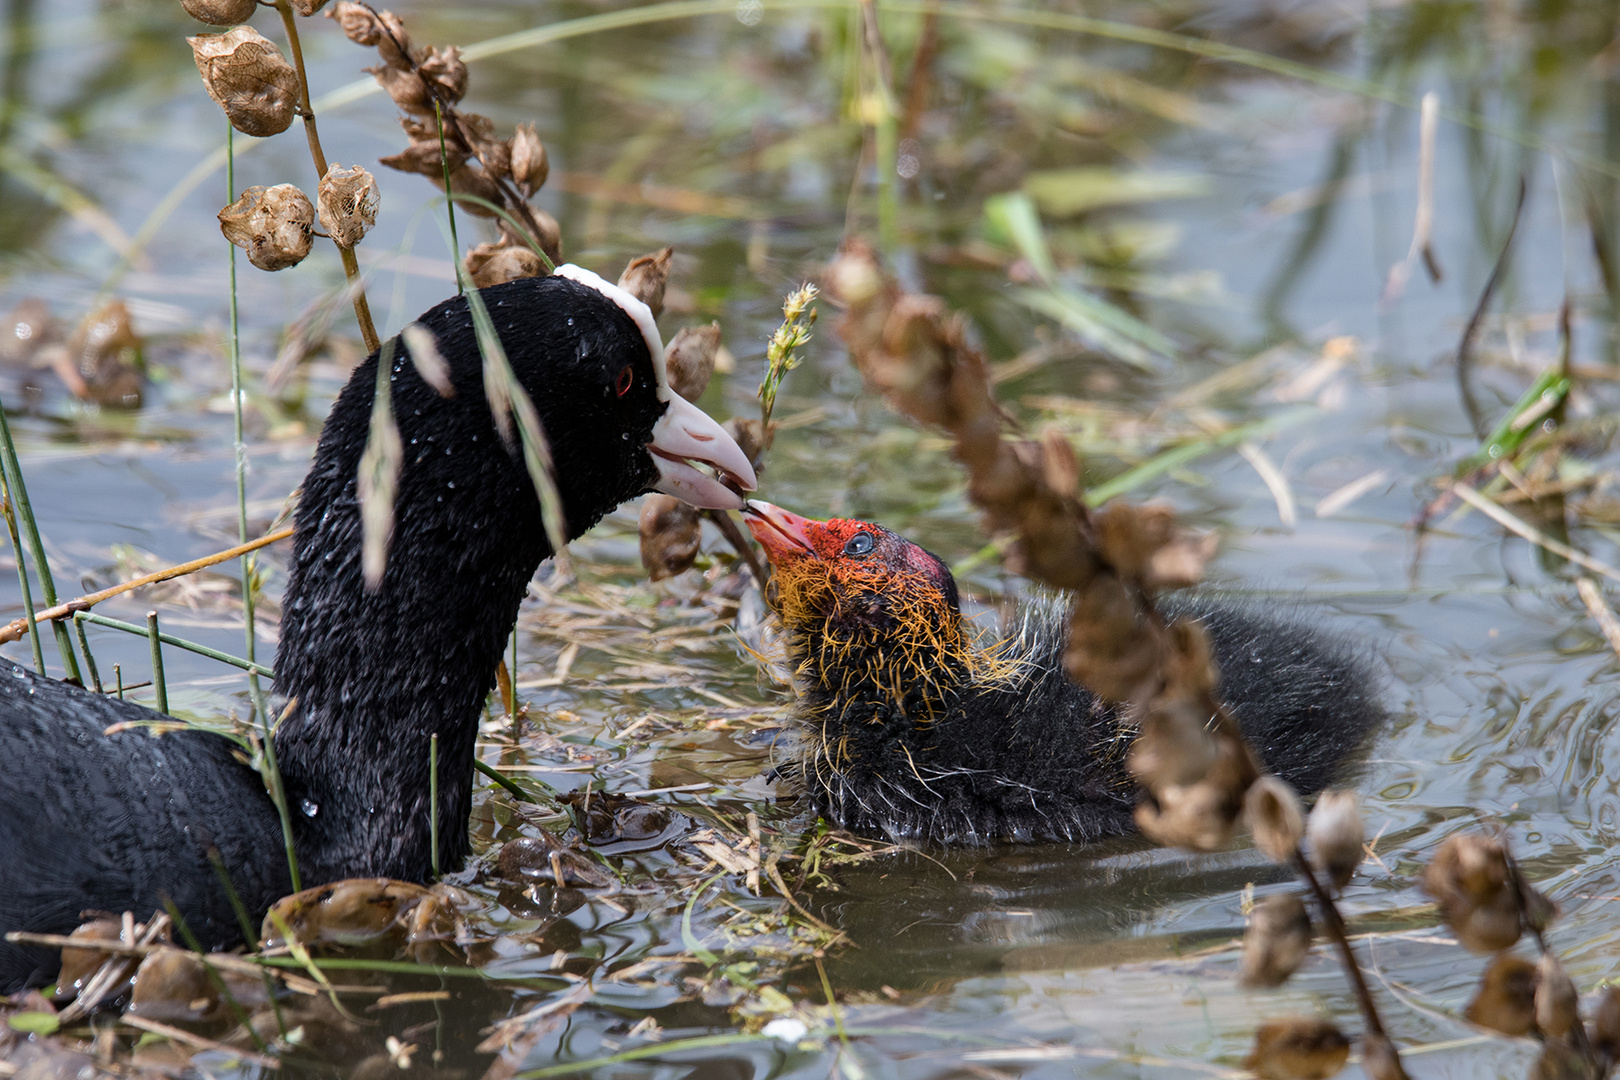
(373, 674)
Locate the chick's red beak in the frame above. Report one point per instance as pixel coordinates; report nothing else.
(782, 533)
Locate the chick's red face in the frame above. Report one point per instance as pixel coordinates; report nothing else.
(852, 567)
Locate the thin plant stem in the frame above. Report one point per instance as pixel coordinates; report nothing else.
(22, 576)
(511, 678)
(18, 500)
(271, 772)
(433, 798)
(89, 658)
(505, 782)
(235, 350)
(1335, 928)
(351, 266)
(177, 642)
(118, 679)
(157, 662)
(17, 627)
(249, 933)
(449, 200)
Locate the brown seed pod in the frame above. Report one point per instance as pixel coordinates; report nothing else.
(1604, 1030)
(1174, 746)
(529, 165)
(549, 236)
(689, 359)
(749, 436)
(406, 88)
(670, 535)
(273, 225)
(471, 180)
(1468, 878)
(1558, 1006)
(1560, 1061)
(646, 277)
(1297, 1048)
(1277, 941)
(423, 159)
(348, 204)
(1275, 818)
(308, 7)
(360, 24)
(443, 67)
(220, 12)
(1337, 836)
(492, 264)
(1198, 817)
(1379, 1059)
(247, 76)
(1506, 999)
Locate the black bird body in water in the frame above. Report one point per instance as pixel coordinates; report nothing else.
(914, 733)
(116, 822)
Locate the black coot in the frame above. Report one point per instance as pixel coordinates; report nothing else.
(913, 733)
(90, 821)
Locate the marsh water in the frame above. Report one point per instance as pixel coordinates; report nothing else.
(1249, 214)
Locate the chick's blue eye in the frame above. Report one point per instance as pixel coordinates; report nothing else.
(859, 544)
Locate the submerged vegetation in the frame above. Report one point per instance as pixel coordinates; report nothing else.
(1342, 287)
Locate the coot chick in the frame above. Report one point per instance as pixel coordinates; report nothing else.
(914, 733)
(91, 821)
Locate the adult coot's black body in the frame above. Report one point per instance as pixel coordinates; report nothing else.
(118, 822)
(914, 734)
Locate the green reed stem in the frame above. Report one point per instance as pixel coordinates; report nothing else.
(118, 679)
(235, 352)
(89, 658)
(505, 782)
(449, 200)
(157, 662)
(22, 574)
(177, 642)
(25, 510)
(433, 798)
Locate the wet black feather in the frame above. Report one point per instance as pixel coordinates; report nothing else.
(116, 823)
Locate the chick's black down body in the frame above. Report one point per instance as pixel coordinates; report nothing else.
(914, 732)
(1035, 757)
(121, 822)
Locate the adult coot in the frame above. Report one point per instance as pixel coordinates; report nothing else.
(120, 822)
(914, 733)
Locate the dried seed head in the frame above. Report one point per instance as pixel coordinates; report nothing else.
(423, 158)
(548, 236)
(363, 26)
(1060, 468)
(404, 86)
(1174, 748)
(1337, 836)
(1558, 1008)
(1107, 651)
(1561, 1061)
(491, 264)
(1506, 1000)
(1275, 818)
(26, 329)
(442, 66)
(749, 436)
(308, 7)
(1604, 1029)
(1468, 878)
(247, 76)
(689, 359)
(348, 204)
(670, 536)
(102, 361)
(529, 165)
(273, 225)
(1297, 1048)
(1198, 817)
(646, 277)
(1379, 1059)
(471, 180)
(220, 12)
(1277, 941)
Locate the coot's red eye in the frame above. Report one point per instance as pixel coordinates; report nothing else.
(626, 378)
